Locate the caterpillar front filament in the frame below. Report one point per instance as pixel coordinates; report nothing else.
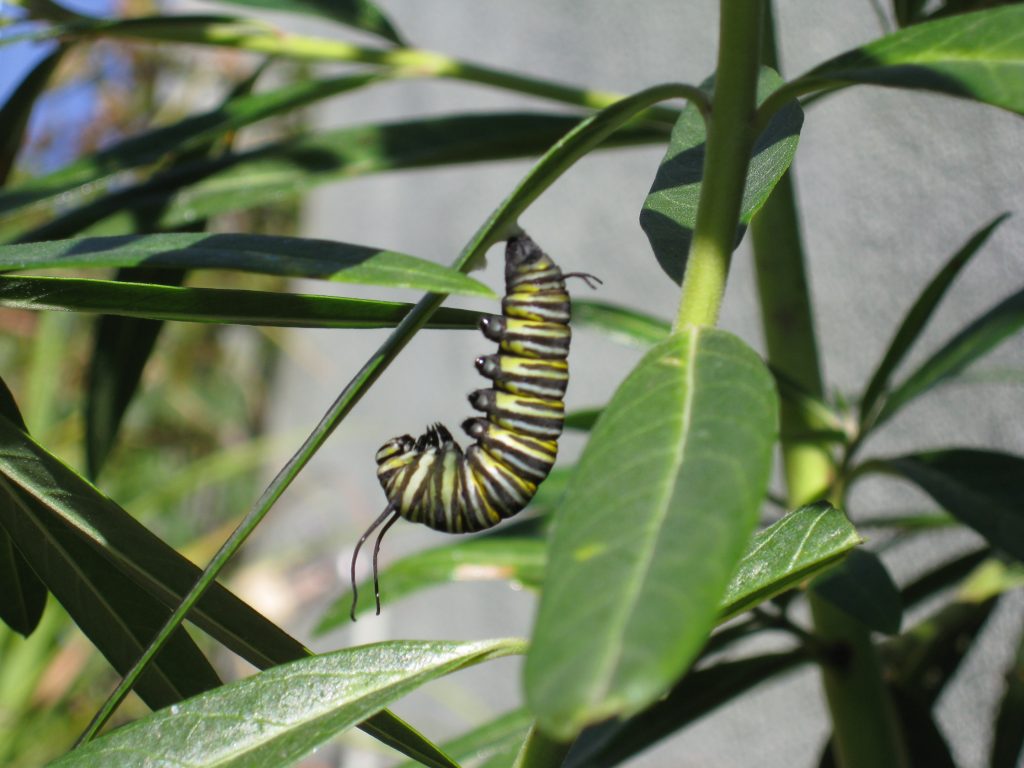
(431, 480)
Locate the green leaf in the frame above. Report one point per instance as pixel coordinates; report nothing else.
(926, 746)
(23, 597)
(215, 305)
(264, 254)
(788, 552)
(583, 420)
(669, 213)
(658, 514)
(863, 589)
(919, 315)
(982, 489)
(626, 326)
(977, 56)
(361, 14)
(496, 741)
(117, 616)
(180, 138)
(1008, 741)
(277, 716)
(285, 170)
(975, 340)
(942, 576)
(697, 694)
(15, 112)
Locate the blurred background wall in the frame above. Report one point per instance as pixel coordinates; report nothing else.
(890, 183)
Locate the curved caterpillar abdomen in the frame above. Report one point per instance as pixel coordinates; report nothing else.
(431, 480)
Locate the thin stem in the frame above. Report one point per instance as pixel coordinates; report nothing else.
(574, 145)
(540, 751)
(730, 138)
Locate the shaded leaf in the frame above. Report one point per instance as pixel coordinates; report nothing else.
(15, 111)
(666, 493)
(925, 744)
(697, 694)
(1008, 741)
(788, 552)
(183, 137)
(496, 741)
(285, 170)
(215, 305)
(23, 597)
(975, 340)
(977, 56)
(264, 254)
(669, 213)
(621, 324)
(919, 315)
(361, 14)
(982, 489)
(275, 717)
(863, 589)
(942, 576)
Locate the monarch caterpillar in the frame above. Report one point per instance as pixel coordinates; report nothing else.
(430, 480)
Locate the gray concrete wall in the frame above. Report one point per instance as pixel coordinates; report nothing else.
(891, 183)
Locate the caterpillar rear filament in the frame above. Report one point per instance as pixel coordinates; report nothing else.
(431, 480)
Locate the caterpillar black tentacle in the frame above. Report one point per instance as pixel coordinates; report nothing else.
(430, 479)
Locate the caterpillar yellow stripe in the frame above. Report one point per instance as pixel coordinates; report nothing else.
(430, 479)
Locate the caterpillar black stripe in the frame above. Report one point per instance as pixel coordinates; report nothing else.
(430, 479)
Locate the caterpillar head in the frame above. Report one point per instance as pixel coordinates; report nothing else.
(521, 251)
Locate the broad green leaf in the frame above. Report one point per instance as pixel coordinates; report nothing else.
(361, 14)
(696, 695)
(264, 254)
(1008, 740)
(148, 562)
(919, 315)
(15, 111)
(215, 305)
(23, 598)
(863, 589)
(117, 616)
(975, 340)
(670, 211)
(977, 56)
(275, 717)
(621, 324)
(788, 552)
(982, 489)
(656, 518)
(285, 170)
(182, 137)
(495, 742)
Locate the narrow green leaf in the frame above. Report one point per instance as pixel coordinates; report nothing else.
(264, 254)
(495, 741)
(626, 326)
(863, 589)
(117, 616)
(15, 111)
(696, 695)
(23, 598)
(1008, 741)
(977, 56)
(583, 420)
(788, 552)
(285, 170)
(669, 213)
(925, 744)
(361, 14)
(215, 305)
(657, 514)
(919, 315)
(975, 340)
(181, 138)
(910, 522)
(942, 576)
(982, 489)
(275, 717)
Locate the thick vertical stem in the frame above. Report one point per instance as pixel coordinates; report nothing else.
(730, 139)
(865, 729)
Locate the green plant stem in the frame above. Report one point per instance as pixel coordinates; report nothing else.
(730, 138)
(864, 722)
(574, 145)
(540, 751)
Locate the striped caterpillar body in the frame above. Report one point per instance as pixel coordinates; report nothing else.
(430, 479)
